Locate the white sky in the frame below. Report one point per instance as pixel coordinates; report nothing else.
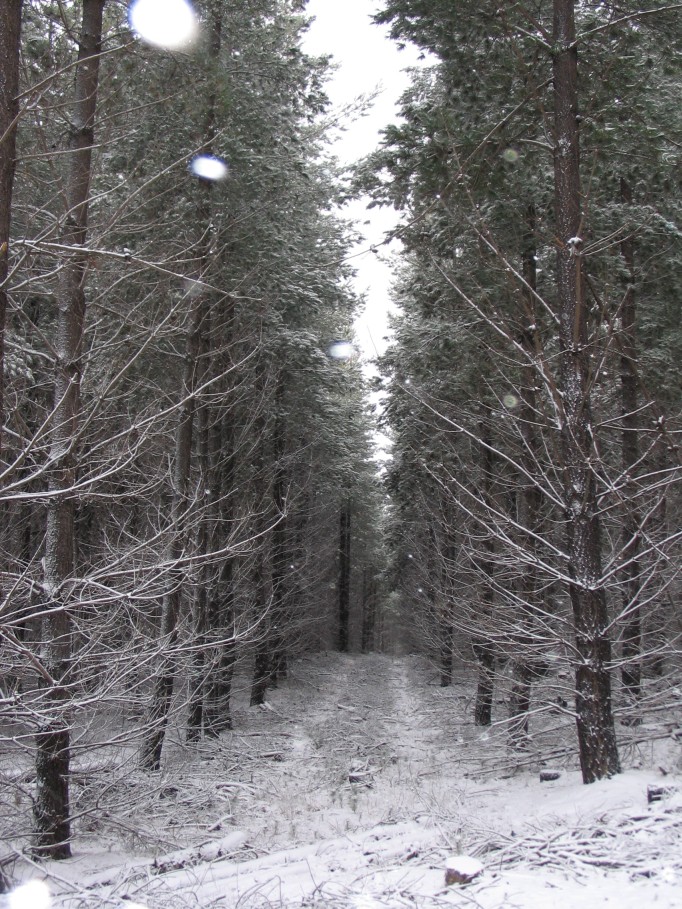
(367, 60)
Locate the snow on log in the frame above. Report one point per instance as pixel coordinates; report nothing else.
(195, 855)
(546, 776)
(462, 869)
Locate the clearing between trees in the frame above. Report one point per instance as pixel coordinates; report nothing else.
(353, 785)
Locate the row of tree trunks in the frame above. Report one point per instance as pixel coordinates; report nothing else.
(176, 555)
(594, 715)
(142, 515)
(198, 367)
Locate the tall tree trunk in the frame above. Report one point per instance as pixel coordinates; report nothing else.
(447, 632)
(344, 576)
(631, 673)
(51, 806)
(483, 648)
(217, 713)
(483, 707)
(270, 649)
(369, 607)
(662, 609)
(530, 502)
(220, 606)
(263, 577)
(10, 50)
(594, 716)
(263, 657)
(446, 648)
(205, 492)
(262, 663)
(280, 558)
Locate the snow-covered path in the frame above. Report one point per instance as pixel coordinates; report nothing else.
(349, 743)
(352, 787)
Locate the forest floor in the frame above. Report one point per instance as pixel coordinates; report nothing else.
(353, 786)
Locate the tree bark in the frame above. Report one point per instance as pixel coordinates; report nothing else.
(51, 806)
(220, 606)
(195, 718)
(446, 629)
(280, 558)
(271, 646)
(594, 717)
(631, 673)
(263, 657)
(483, 648)
(446, 653)
(261, 670)
(369, 607)
(530, 501)
(483, 709)
(10, 51)
(344, 577)
(660, 633)
(263, 577)
(217, 711)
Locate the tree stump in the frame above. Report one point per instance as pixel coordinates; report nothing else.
(658, 793)
(462, 869)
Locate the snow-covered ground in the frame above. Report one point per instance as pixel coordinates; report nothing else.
(356, 786)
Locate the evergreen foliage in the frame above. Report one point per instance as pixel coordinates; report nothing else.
(478, 379)
(211, 441)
